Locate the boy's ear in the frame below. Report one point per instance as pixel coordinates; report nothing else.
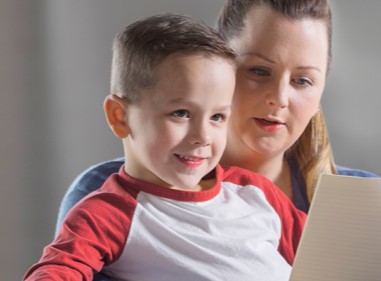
(115, 111)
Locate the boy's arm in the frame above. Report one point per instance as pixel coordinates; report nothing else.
(291, 218)
(93, 234)
(293, 221)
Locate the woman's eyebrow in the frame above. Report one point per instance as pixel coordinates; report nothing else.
(272, 61)
(258, 55)
(309, 68)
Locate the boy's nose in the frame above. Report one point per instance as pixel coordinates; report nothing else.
(202, 141)
(200, 136)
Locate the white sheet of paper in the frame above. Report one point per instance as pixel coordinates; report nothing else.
(342, 237)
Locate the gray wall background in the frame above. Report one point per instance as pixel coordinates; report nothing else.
(54, 74)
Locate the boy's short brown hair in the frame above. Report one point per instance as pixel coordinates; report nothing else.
(141, 46)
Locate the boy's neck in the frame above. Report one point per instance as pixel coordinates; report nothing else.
(206, 183)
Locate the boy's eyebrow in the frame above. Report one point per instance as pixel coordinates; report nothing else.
(224, 107)
(179, 100)
(188, 102)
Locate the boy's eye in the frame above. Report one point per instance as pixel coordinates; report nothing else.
(218, 117)
(182, 113)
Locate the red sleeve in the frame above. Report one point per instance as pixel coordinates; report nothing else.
(292, 220)
(93, 235)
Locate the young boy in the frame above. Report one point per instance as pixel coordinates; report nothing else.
(172, 212)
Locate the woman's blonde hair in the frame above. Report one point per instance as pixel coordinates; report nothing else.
(312, 151)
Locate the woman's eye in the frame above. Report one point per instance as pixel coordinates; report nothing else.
(260, 71)
(303, 81)
(180, 113)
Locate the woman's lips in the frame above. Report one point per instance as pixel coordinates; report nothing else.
(269, 125)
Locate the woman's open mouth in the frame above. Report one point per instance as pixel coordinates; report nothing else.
(269, 125)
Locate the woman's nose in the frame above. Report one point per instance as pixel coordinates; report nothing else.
(278, 94)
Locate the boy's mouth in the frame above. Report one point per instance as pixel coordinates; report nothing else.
(190, 161)
(189, 157)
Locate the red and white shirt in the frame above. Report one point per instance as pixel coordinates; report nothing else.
(243, 228)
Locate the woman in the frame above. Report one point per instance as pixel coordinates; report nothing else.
(277, 128)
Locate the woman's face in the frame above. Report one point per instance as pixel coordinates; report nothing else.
(282, 67)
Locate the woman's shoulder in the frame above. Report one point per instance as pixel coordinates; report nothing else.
(101, 170)
(346, 171)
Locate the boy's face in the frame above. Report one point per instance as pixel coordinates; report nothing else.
(177, 132)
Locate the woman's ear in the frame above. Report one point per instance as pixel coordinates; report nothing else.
(115, 111)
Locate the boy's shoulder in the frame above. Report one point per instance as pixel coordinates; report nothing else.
(273, 194)
(243, 176)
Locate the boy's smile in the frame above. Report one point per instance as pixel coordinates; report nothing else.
(177, 131)
(190, 161)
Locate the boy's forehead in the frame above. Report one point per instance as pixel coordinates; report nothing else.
(190, 66)
(190, 78)
(184, 58)
(187, 65)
